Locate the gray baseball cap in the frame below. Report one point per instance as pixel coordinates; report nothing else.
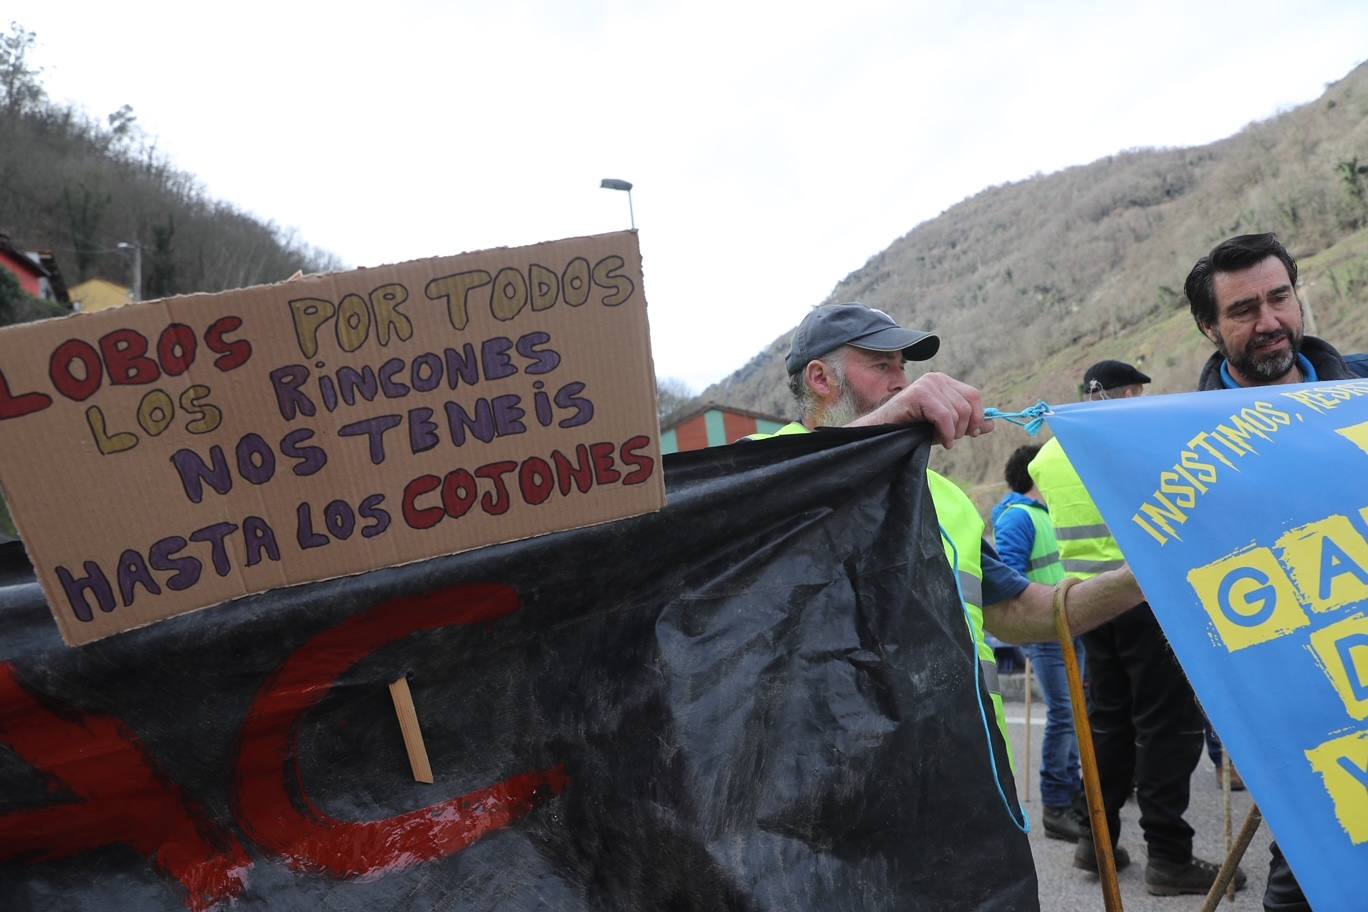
(830, 326)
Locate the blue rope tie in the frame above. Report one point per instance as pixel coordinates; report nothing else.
(1031, 419)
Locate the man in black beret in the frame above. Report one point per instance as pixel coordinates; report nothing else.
(1113, 380)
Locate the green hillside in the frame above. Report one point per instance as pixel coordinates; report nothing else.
(1030, 282)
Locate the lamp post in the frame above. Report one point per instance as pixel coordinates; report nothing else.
(612, 183)
(137, 266)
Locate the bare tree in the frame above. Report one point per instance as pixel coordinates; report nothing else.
(671, 395)
(20, 89)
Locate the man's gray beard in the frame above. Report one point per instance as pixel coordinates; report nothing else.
(1266, 369)
(843, 411)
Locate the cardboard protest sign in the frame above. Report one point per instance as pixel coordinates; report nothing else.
(178, 453)
(1244, 514)
(761, 698)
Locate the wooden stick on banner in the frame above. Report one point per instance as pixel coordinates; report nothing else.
(1092, 781)
(1226, 876)
(413, 735)
(1225, 800)
(1026, 765)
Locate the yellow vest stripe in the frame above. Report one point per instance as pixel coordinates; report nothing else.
(990, 677)
(1092, 567)
(1077, 533)
(971, 586)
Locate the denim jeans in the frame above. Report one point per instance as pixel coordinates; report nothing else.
(1059, 776)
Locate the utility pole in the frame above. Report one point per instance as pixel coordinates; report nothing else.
(137, 267)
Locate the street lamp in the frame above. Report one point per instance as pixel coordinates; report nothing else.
(612, 183)
(137, 266)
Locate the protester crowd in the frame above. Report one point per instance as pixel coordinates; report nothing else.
(847, 368)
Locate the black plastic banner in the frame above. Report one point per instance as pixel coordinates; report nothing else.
(762, 698)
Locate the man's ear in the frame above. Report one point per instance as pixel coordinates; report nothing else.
(1210, 332)
(819, 378)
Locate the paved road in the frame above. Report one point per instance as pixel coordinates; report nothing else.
(1064, 888)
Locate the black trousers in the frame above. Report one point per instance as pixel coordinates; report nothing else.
(1283, 893)
(1147, 729)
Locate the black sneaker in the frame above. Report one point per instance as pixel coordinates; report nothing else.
(1061, 823)
(1085, 856)
(1172, 878)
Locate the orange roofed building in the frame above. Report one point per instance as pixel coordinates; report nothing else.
(714, 425)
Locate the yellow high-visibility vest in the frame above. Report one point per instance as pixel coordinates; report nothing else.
(1043, 565)
(963, 525)
(1086, 546)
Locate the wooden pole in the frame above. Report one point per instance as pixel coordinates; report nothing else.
(1026, 765)
(1092, 780)
(1225, 800)
(1226, 876)
(413, 735)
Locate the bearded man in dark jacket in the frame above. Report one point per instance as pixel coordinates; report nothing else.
(1243, 296)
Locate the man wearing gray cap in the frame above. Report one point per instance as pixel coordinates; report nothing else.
(846, 368)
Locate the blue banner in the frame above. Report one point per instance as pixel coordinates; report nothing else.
(1244, 514)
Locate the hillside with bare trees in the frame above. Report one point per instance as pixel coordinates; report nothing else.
(80, 186)
(1028, 283)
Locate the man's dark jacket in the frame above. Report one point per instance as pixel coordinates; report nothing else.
(1329, 364)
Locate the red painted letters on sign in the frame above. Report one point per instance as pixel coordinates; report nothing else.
(315, 841)
(121, 796)
(123, 799)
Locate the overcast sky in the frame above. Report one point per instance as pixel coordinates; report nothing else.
(774, 146)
